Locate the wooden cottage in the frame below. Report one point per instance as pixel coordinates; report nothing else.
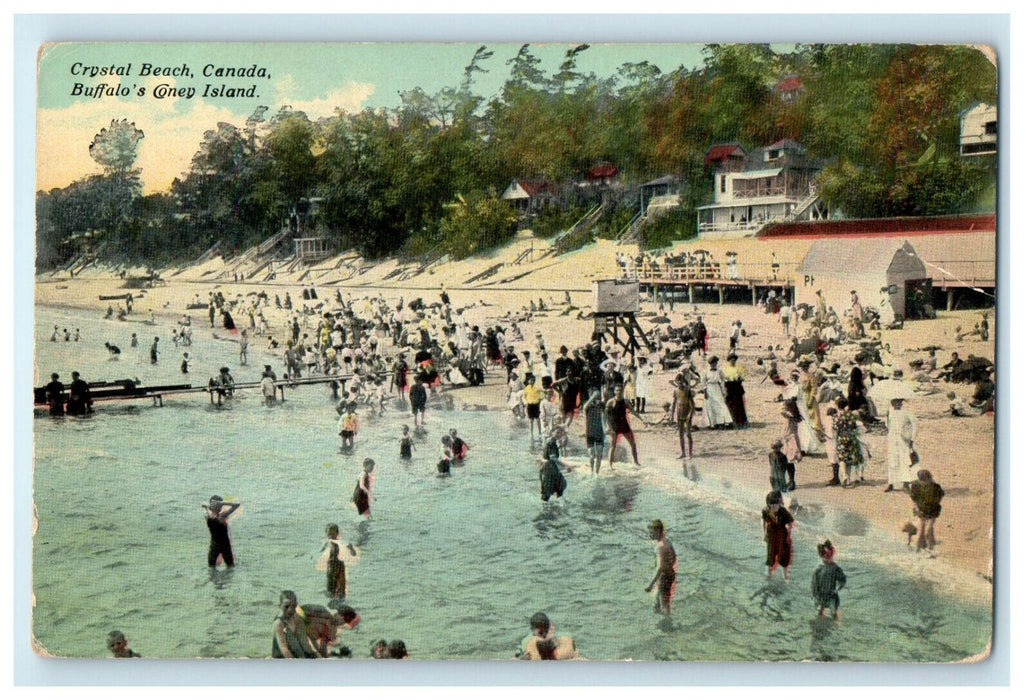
(979, 130)
(530, 195)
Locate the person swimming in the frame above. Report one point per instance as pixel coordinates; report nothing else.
(118, 645)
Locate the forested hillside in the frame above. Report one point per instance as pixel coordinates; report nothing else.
(426, 175)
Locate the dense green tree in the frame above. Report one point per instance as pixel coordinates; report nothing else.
(477, 222)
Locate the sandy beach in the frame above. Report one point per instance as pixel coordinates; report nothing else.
(729, 465)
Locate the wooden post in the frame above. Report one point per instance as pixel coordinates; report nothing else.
(949, 299)
(690, 293)
(754, 300)
(719, 289)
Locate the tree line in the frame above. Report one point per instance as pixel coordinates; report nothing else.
(425, 176)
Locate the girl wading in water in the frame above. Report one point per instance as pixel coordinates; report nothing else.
(362, 496)
(777, 524)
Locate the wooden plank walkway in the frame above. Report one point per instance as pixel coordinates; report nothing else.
(119, 391)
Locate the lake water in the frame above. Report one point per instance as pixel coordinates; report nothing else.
(454, 567)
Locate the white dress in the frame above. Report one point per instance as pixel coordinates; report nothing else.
(808, 439)
(887, 311)
(715, 406)
(644, 382)
(901, 431)
(515, 393)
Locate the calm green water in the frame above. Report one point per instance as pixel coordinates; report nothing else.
(455, 567)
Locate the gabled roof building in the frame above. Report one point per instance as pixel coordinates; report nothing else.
(774, 183)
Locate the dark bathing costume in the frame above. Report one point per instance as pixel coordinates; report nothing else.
(596, 424)
(220, 543)
(552, 480)
(620, 424)
(361, 497)
(417, 395)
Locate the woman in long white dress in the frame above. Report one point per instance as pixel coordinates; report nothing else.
(886, 310)
(901, 432)
(715, 407)
(801, 438)
(515, 395)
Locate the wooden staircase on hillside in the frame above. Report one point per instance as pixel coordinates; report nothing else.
(580, 232)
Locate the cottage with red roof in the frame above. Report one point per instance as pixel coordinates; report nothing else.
(530, 195)
(775, 183)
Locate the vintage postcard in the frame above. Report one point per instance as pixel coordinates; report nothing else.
(515, 351)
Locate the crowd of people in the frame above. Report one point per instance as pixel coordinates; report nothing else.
(379, 355)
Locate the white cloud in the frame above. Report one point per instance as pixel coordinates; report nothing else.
(171, 134)
(171, 137)
(349, 97)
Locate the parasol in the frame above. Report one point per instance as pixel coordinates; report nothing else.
(887, 389)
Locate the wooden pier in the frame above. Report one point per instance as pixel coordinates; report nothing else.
(948, 276)
(706, 273)
(128, 390)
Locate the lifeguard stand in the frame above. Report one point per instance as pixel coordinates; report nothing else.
(616, 303)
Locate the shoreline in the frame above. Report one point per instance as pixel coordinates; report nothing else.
(732, 463)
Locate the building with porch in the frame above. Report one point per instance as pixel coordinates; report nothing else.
(660, 195)
(979, 130)
(774, 183)
(530, 196)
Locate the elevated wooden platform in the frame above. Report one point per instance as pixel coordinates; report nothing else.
(127, 390)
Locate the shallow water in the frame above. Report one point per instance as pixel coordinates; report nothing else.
(454, 566)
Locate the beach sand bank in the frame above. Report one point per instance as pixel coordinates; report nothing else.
(729, 465)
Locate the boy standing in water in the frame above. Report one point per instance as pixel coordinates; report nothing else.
(362, 496)
(594, 413)
(828, 579)
(348, 427)
(665, 577)
(447, 456)
(406, 444)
